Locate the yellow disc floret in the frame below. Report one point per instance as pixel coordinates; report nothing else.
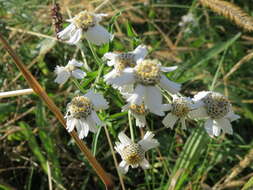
(147, 72)
(133, 154)
(80, 107)
(138, 109)
(84, 20)
(180, 107)
(217, 105)
(124, 60)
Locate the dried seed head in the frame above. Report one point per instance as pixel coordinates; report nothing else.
(148, 72)
(138, 109)
(84, 20)
(180, 107)
(217, 105)
(124, 60)
(80, 107)
(133, 154)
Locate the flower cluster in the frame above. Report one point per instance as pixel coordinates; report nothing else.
(142, 83)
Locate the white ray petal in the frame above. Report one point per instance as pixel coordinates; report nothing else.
(153, 100)
(209, 127)
(79, 74)
(98, 101)
(75, 37)
(123, 167)
(168, 69)
(124, 139)
(172, 87)
(98, 35)
(225, 125)
(145, 164)
(170, 120)
(137, 96)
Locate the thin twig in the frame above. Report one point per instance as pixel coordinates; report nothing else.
(16, 93)
(114, 157)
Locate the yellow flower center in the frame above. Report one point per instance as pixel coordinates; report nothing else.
(84, 20)
(124, 60)
(148, 72)
(217, 105)
(139, 110)
(80, 107)
(180, 107)
(133, 154)
(70, 68)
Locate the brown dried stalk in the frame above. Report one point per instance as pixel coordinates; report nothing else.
(230, 11)
(51, 105)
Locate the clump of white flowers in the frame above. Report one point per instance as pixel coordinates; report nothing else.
(86, 24)
(133, 154)
(218, 111)
(81, 113)
(70, 70)
(146, 77)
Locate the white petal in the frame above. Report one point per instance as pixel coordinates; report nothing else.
(97, 100)
(82, 129)
(216, 129)
(85, 127)
(172, 87)
(153, 100)
(168, 69)
(140, 120)
(62, 77)
(200, 95)
(232, 116)
(145, 164)
(95, 118)
(138, 95)
(140, 52)
(166, 107)
(182, 120)
(225, 125)
(109, 56)
(75, 63)
(92, 124)
(126, 78)
(98, 35)
(119, 147)
(148, 142)
(79, 74)
(198, 113)
(209, 127)
(170, 120)
(123, 167)
(75, 36)
(65, 34)
(99, 17)
(124, 139)
(71, 122)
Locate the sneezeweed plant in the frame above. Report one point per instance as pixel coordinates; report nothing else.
(70, 70)
(81, 113)
(218, 111)
(133, 154)
(86, 24)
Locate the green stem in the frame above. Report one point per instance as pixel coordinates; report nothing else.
(131, 126)
(77, 84)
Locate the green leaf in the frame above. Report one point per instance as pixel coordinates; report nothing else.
(248, 185)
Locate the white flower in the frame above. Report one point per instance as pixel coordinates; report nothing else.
(86, 24)
(81, 113)
(179, 110)
(63, 73)
(123, 60)
(133, 154)
(186, 19)
(139, 113)
(146, 76)
(217, 109)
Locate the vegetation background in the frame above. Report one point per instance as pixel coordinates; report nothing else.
(211, 53)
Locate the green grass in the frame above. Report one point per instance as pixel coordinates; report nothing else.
(190, 159)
